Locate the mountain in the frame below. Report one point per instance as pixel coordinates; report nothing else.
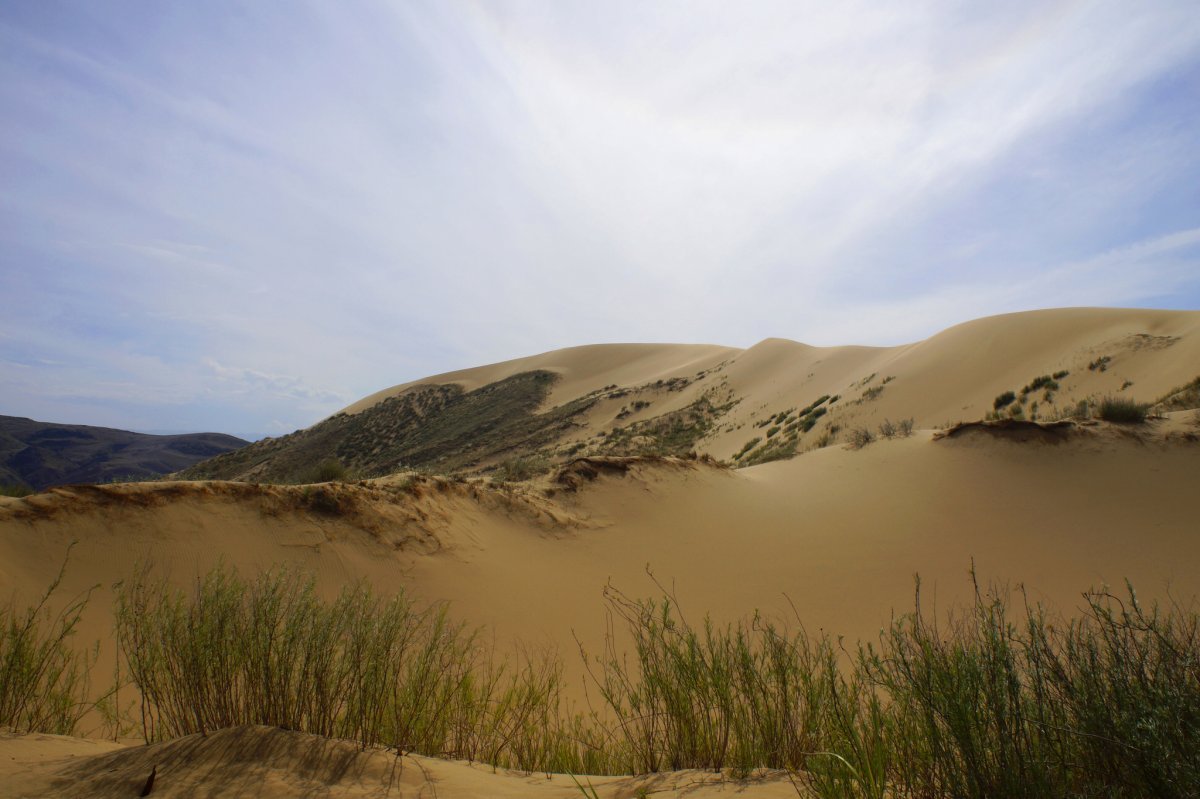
(43, 454)
(774, 400)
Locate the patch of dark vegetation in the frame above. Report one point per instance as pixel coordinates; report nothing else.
(433, 428)
(579, 471)
(774, 450)
(1100, 364)
(672, 433)
(15, 490)
(1012, 430)
(516, 470)
(1041, 382)
(1004, 400)
(1123, 410)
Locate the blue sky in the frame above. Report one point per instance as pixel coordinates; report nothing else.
(242, 216)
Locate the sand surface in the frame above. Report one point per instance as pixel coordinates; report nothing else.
(266, 762)
(834, 536)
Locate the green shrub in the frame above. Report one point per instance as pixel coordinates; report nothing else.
(749, 445)
(15, 490)
(328, 471)
(516, 470)
(1123, 410)
(43, 679)
(1005, 399)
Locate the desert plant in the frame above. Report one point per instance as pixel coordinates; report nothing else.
(1122, 410)
(270, 651)
(1005, 399)
(15, 490)
(860, 437)
(516, 470)
(905, 427)
(329, 470)
(43, 679)
(887, 429)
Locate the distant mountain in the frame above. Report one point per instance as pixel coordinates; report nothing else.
(43, 454)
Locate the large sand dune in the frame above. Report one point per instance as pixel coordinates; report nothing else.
(834, 535)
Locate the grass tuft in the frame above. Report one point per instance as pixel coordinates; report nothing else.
(1123, 410)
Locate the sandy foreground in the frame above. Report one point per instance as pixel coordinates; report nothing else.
(262, 761)
(831, 539)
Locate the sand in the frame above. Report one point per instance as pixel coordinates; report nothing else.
(835, 535)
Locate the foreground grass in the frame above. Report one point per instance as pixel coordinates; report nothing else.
(996, 699)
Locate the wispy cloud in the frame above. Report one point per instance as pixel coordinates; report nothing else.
(258, 213)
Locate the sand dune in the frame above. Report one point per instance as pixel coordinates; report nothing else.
(267, 762)
(834, 535)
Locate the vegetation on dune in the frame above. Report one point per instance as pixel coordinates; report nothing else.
(434, 428)
(44, 681)
(1183, 397)
(1123, 410)
(985, 701)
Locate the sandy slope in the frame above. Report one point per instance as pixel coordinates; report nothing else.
(265, 762)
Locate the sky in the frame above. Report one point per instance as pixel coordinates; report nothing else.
(241, 217)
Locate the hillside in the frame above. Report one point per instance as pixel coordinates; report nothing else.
(43, 454)
(770, 401)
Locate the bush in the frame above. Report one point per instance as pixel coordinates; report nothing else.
(15, 490)
(906, 427)
(43, 679)
(887, 429)
(516, 470)
(1007, 398)
(328, 471)
(1123, 410)
(860, 437)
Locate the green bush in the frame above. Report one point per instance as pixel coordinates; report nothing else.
(1123, 410)
(328, 471)
(43, 679)
(15, 490)
(1005, 399)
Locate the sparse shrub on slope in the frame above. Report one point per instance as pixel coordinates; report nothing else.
(860, 437)
(1123, 410)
